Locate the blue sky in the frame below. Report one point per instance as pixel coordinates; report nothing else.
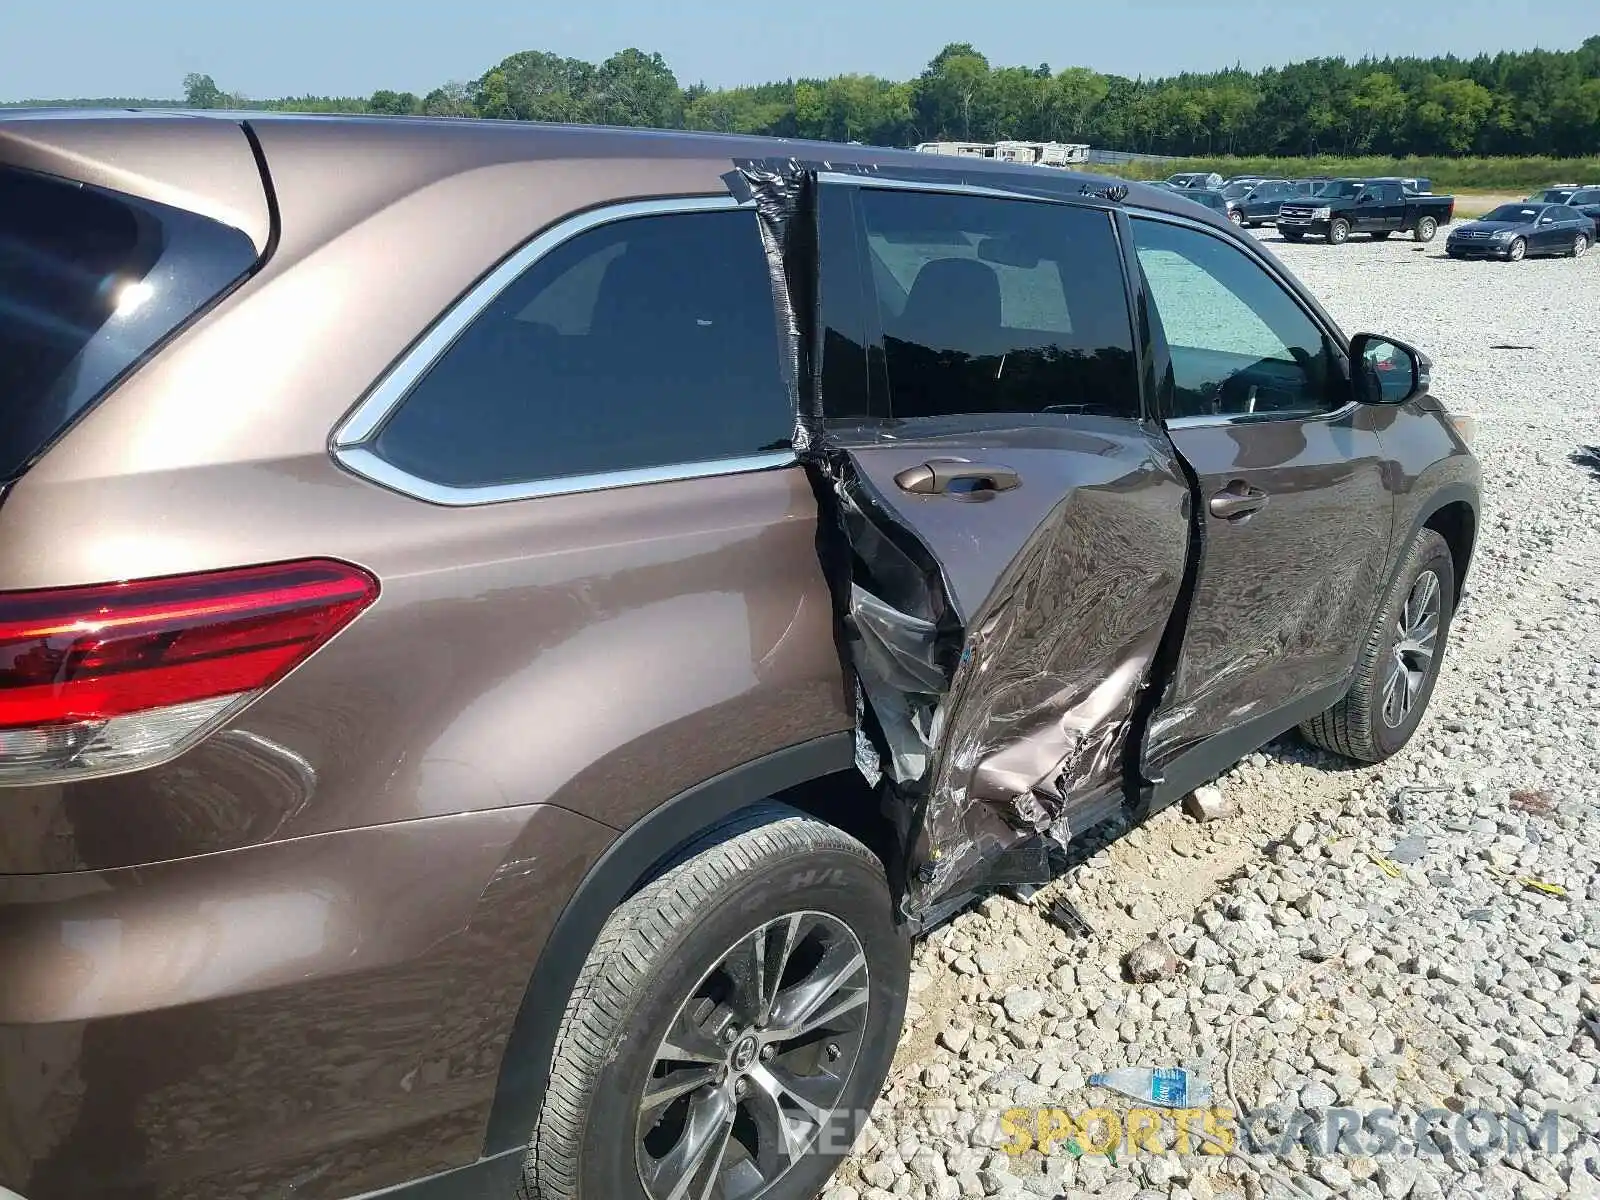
(284, 47)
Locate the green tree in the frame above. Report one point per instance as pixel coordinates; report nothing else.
(1452, 113)
(201, 91)
(1378, 111)
(451, 100)
(1076, 94)
(397, 104)
(635, 88)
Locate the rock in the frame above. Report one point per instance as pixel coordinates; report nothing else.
(1209, 804)
(1317, 1095)
(1302, 835)
(954, 1038)
(1024, 1004)
(1151, 962)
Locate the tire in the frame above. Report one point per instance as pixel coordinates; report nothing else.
(1425, 230)
(1518, 250)
(1236, 217)
(660, 963)
(1383, 236)
(1338, 232)
(1292, 235)
(1580, 245)
(1363, 726)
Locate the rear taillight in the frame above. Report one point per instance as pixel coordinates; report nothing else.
(114, 677)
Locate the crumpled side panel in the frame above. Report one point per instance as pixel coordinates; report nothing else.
(1053, 669)
(986, 729)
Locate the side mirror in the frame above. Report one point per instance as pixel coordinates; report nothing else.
(1385, 371)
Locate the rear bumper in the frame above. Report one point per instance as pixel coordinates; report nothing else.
(319, 1018)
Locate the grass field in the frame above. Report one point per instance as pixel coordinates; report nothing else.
(1514, 177)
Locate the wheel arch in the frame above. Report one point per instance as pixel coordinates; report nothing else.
(1453, 515)
(792, 775)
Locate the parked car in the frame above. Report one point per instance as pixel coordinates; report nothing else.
(1584, 198)
(1217, 200)
(483, 712)
(1381, 208)
(1195, 179)
(1258, 203)
(1516, 231)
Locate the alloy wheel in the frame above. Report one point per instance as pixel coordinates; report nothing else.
(1580, 246)
(753, 1066)
(1518, 249)
(1416, 638)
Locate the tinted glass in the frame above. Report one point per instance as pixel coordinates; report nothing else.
(999, 306)
(1551, 196)
(1240, 344)
(643, 343)
(1516, 214)
(1588, 196)
(1341, 189)
(1210, 199)
(90, 281)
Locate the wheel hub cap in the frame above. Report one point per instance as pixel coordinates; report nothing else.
(755, 1062)
(1411, 659)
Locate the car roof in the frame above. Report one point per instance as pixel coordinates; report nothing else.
(413, 148)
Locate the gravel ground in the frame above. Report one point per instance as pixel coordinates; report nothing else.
(1376, 939)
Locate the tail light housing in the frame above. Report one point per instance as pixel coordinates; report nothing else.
(110, 678)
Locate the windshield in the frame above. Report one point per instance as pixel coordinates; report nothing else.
(1514, 214)
(1552, 196)
(90, 281)
(1341, 189)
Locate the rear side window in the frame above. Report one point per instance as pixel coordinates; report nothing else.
(646, 342)
(993, 306)
(90, 281)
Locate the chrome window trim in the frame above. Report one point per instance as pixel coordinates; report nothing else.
(349, 442)
(845, 179)
(1203, 420)
(363, 462)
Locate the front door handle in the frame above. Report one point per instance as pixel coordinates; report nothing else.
(1237, 500)
(957, 476)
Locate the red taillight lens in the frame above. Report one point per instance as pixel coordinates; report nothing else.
(119, 675)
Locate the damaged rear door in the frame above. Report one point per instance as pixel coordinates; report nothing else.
(1009, 527)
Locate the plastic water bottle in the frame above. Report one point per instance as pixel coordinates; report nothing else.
(1169, 1087)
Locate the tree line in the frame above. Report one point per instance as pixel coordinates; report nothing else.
(1536, 102)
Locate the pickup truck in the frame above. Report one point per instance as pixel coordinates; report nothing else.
(1378, 207)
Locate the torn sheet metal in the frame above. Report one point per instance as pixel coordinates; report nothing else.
(1000, 648)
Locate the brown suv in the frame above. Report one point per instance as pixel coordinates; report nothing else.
(507, 631)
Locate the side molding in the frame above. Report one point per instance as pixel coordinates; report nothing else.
(525, 1065)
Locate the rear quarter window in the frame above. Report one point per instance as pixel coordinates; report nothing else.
(645, 343)
(90, 282)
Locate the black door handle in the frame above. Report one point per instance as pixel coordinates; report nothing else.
(1237, 500)
(956, 476)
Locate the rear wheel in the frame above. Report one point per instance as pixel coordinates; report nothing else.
(1425, 229)
(731, 1027)
(1399, 663)
(1518, 250)
(1580, 246)
(1338, 232)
